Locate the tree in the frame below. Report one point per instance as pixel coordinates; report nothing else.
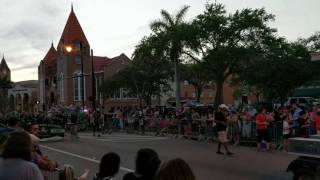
(312, 42)
(283, 68)
(146, 76)
(171, 27)
(196, 76)
(225, 41)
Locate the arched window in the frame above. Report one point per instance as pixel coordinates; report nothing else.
(61, 87)
(78, 86)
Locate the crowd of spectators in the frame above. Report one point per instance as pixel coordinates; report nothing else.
(268, 126)
(22, 159)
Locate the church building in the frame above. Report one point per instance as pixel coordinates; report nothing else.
(60, 71)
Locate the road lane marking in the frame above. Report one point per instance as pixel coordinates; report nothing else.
(119, 135)
(81, 157)
(122, 139)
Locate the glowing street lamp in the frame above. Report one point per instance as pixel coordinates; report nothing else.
(68, 49)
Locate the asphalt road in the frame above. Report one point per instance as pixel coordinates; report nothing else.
(246, 164)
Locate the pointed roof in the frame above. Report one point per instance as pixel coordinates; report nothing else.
(3, 64)
(73, 31)
(122, 58)
(51, 56)
(100, 62)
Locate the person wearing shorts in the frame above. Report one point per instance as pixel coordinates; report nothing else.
(221, 124)
(262, 129)
(286, 133)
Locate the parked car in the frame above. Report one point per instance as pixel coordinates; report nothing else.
(307, 165)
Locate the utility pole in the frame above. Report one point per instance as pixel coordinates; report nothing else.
(93, 83)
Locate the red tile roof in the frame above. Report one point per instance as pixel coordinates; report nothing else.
(100, 62)
(72, 31)
(51, 56)
(122, 57)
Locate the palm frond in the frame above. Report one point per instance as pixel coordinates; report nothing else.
(168, 19)
(158, 25)
(181, 14)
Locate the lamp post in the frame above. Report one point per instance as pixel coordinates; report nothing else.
(93, 83)
(69, 50)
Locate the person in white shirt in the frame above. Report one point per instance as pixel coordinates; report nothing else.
(286, 132)
(15, 161)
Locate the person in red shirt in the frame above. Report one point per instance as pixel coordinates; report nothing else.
(262, 129)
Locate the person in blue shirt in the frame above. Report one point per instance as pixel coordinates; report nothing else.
(295, 118)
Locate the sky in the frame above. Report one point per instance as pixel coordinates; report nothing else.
(112, 27)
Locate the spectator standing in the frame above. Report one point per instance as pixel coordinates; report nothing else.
(286, 132)
(296, 116)
(96, 121)
(213, 125)
(221, 121)
(141, 120)
(234, 128)
(262, 129)
(74, 126)
(175, 169)
(91, 119)
(303, 123)
(147, 164)
(195, 121)
(109, 167)
(246, 124)
(16, 156)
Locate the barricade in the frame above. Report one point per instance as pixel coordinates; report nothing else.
(243, 132)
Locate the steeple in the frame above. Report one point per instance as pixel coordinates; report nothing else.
(51, 56)
(3, 63)
(72, 31)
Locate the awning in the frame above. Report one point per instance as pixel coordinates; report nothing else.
(306, 92)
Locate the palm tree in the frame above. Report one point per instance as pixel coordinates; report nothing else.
(171, 26)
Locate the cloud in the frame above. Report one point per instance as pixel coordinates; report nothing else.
(27, 27)
(24, 67)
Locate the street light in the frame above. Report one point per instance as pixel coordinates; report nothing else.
(68, 49)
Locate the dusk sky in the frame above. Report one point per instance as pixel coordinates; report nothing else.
(112, 27)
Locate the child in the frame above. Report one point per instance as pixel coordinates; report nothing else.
(68, 174)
